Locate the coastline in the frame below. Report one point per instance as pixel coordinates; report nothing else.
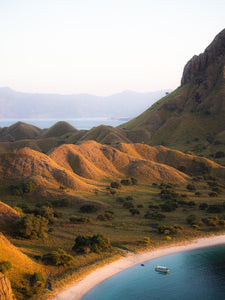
(77, 290)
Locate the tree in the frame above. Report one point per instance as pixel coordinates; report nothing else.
(57, 258)
(96, 243)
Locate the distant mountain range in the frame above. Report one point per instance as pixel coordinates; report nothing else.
(18, 105)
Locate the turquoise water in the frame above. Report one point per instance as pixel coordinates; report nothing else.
(197, 274)
(82, 123)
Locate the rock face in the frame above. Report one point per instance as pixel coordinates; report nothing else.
(5, 289)
(212, 59)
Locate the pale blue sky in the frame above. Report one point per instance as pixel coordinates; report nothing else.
(102, 46)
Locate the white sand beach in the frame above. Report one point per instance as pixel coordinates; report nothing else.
(77, 290)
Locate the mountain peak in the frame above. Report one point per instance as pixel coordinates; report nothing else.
(208, 66)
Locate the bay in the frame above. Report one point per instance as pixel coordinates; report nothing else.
(81, 123)
(194, 274)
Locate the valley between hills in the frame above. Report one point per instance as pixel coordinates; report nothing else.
(72, 200)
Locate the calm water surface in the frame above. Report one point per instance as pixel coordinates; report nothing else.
(197, 274)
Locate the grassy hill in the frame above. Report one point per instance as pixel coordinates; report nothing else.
(192, 117)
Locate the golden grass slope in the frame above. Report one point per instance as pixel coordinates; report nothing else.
(173, 158)
(94, 160)
(7, 214)
(30, 164)
(20, 262)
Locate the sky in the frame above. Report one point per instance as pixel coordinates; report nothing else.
(102, 47)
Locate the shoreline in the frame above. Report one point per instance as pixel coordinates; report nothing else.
(77, 290)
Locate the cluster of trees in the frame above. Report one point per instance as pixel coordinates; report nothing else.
(96, 243)
(31, 227)
(20, 189)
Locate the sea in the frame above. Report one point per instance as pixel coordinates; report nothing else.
(194, 275)
(79, 123)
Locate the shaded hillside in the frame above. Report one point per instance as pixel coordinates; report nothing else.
(190, 164)
(7, 214)
(59, 129)
(192, 117)
(19, 131)
(105, 135)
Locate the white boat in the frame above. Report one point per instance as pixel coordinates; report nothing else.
(162, 269)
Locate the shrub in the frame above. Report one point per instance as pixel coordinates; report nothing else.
(219, 154)
(106, 217)
(115, 185)
(211, 221)
(80, 220)
(126, 182)
(120, 199)
(96, 243)
(182, 169)
(37, 279)
(129, 198)
(191, 187)
(198, 194)
(57, 258)
(168, 206)
(191, 219)
(154, 216)
(5, 266)
(134, 211)
(213, 194)
(203, 206)
(64, 202)
(128, 205)
(88, 208)
(215, 208)
(134, 181)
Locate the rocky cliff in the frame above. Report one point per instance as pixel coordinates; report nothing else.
(5, 289)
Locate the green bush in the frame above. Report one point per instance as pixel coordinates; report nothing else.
(57, 258)
(128, 205)
(80, 220)
(96, 243)
(191, 187)
(37, 279)
(61, 202)
(88, 208)
(5, 266)
(203, 206)
(108, 216)
(115, 185)
(169, 206)
(154, 216)
(134, 211)
(191, 219)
